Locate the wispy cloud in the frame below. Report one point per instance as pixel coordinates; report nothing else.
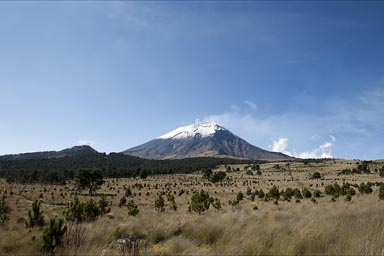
(358, 123)
(251, 104)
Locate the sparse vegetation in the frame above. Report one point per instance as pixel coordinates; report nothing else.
(258, 206)
(4, 210)
(133, 210)
(35, 215)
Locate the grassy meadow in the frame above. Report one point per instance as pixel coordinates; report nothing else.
(322, 224)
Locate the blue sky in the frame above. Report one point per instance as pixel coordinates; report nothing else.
(305, 78)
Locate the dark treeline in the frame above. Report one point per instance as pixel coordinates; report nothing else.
(114, 165)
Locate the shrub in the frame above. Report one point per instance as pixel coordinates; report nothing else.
(35, 215)
(381, 171)
(274, 193)
(132, 208)
(103, 205)
(128, 192)
(316, 175)
(351, 191)
(207, 173)
(381, 191)
(75, 211)
(217, 176)
(173, 206)
(249, 172)
(239, 196)
(317, 193)
(91, 209)
(363, 167)
(365, 188)
(200, 201)
(53, 235)
(261, 194)
(159, 203)
(4, 210)
(306, 193)
(287, 194)
(333, 190)
(216, 204)
(297, 194)
(123, 201)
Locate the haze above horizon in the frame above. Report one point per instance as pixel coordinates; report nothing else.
(302, 78)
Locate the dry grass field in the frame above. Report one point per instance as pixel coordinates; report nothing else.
(296, 227)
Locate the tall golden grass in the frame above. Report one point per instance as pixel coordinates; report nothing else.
(289, 228)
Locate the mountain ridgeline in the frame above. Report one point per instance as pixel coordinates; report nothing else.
(114, 165)
(74, 151)
(202, 140)
(187, 149)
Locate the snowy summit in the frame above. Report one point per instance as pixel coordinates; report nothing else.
(204, 129)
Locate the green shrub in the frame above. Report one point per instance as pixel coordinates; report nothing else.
(123, 201)
(239, 196)
(261, 194)
(75, 211)
(128, 192)
(381, 191)
(217, 176)
(333, 190)
(4, 210)
(132, 208)
(200, 201)
(35, 215)
(92, 210)
(317, 193)
(365, 188)
(207, 173)
(297, 194)
(316, 175)
(351, 191)
(381, 171)
(53, 235)
(159, 203)
(348, 198)
(249, 172)
(216, 204)
(306, 193)
(287, 194)
(274, 193)
(103, 205)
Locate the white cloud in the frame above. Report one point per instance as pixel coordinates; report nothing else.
(280, 145)
(359, 121)
(323, 151)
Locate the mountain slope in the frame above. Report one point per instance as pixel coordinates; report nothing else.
(204, 139)
(73, 151)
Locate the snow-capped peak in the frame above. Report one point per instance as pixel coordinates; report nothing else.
(204, 129)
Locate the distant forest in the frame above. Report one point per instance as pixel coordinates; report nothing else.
(114, 165)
